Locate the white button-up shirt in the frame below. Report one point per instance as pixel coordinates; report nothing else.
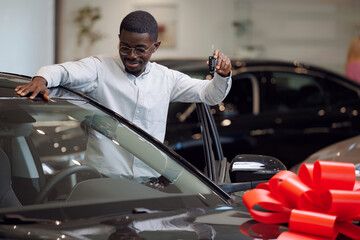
(143, 100)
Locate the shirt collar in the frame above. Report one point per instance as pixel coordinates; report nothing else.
(142, 75)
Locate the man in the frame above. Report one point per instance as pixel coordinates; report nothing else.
(129, 84)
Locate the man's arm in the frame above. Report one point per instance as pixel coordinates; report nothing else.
(187, 89)
(38, 85)
(79, 75)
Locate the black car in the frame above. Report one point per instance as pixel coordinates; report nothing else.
(49, 188)
(283, 109)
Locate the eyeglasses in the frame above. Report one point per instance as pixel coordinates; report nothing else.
(139, 51)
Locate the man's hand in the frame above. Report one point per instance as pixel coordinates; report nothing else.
(223, 65)
(36, 86)
(160, 182)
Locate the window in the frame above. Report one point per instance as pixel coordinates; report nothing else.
(240, 99)
(183, 133)
(49, 139)
(288, 91)
(339, 94)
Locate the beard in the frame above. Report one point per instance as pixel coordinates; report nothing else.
(133, 66)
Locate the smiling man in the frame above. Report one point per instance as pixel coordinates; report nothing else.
(129, 83)
(134, 51)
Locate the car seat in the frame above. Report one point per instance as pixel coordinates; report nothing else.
(7, 194)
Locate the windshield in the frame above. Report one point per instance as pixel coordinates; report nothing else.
(69, 153)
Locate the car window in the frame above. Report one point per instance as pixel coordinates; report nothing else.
(191, 134)
(68, 151)
(183, 133)
(288, 91)
(339, 94)
(240, 99)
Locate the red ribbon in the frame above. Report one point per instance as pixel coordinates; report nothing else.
(319, 203)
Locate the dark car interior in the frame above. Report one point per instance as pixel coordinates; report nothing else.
(8, 197)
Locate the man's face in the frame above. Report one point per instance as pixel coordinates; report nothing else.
(131, 50)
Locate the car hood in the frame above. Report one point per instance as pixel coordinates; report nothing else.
(223, 222)
(343, 151)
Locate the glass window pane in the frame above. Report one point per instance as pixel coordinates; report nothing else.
(290, 91)
(339, 94)
(50, 143)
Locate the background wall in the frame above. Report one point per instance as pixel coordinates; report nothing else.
(199, 25)
(312, 31)
(317, 32)
(27, 35)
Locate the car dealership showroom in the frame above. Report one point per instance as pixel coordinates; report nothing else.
(180, 119)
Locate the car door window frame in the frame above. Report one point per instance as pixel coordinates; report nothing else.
(215, 161)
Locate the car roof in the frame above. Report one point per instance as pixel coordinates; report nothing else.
(247, 65)
(8, 82)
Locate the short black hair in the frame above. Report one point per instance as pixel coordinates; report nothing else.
(140, 22)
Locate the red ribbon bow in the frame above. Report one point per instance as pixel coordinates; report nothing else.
(319, 203)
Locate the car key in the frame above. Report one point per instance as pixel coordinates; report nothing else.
(212, 64)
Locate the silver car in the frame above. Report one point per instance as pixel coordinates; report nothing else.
(344, 151)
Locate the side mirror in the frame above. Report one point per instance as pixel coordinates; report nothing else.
(245, 168)
(247, 171)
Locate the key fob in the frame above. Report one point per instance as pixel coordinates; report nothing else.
(212, 64)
